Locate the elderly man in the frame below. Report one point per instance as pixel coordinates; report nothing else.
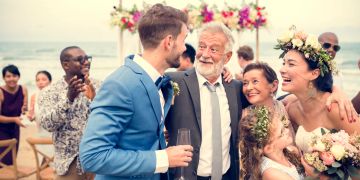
(209, 107)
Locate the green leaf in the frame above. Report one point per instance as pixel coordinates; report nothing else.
(331, 170)
(353, 171)
(335, 164)
(340, 173)
(323, 131)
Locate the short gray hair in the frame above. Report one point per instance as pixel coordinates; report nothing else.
(216, 27)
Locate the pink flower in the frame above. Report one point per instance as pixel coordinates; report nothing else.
(327, 158)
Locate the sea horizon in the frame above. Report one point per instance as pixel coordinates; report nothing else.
(31, 57)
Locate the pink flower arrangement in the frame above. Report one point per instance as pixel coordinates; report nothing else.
(126, 19)
(207, 14)
(335, 154)
(252, 16)
(248, 17)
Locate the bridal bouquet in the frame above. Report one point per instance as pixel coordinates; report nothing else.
(335, 153)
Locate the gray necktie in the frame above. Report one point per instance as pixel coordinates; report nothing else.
(216, 170)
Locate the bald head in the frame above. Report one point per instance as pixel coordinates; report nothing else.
(328, 36)
(328, 40)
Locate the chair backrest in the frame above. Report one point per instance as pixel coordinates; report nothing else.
(11, 146)
(40, 166)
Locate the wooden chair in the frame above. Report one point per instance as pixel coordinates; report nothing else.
(12, 171)
(43, 169)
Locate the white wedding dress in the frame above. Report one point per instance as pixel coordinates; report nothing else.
(303, 137)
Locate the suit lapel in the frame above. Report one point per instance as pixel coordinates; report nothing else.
(233, 106)
(193, 87)
(149, 85)
(168, 96)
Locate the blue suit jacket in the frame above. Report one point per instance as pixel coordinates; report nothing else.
(124, 127)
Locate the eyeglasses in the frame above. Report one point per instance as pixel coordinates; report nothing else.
(82, 59)
(336, 48)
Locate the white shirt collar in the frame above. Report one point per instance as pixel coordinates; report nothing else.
(147, 67)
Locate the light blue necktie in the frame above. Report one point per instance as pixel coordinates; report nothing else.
(216, 170)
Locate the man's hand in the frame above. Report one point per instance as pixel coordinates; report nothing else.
(227, 75)
(89, 89)
(345, 106)
(75, 87)
(179, 156)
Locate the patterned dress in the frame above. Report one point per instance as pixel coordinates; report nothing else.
(11, 107)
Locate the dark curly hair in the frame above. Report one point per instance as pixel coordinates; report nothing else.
(322, 83)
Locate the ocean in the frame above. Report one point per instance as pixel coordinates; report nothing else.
(31, 57)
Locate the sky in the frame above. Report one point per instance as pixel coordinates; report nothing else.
(88, 20)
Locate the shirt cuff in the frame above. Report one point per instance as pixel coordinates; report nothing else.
(162, 162)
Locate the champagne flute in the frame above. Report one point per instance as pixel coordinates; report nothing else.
(183, 138)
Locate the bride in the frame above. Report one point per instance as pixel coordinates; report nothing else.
(307, 73)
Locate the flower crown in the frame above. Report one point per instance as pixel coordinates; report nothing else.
(261, 128)
(309, 46)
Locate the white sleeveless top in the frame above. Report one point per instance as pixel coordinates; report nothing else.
(303, 137)
(291, 171)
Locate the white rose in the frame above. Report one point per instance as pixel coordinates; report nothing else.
(297, 42)
(319, 146)
(286, 37)
(338, 151)
(313, 42)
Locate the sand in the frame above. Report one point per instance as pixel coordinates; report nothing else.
(26, 157)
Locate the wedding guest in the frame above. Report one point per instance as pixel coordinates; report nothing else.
(245, 56)
(211, 116)
(43, 79)
(260, 84)
(187, 58)
(124, 137)
(64, 109)
(308, 75)
(330, 42)
(13, 102)
(263, 142)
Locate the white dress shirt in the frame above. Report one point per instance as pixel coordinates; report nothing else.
(162, 162)
(205, 159)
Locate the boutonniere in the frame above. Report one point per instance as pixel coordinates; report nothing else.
(176, 89)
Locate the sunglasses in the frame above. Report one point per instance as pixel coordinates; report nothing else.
(336, 48)
(82, 59)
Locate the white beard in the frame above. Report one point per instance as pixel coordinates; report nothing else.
(213, 70)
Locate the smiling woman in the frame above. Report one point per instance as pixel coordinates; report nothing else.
(13, 102)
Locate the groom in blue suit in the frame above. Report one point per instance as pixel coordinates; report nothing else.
(124, 136)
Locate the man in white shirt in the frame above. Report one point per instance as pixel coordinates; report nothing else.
(209, 107)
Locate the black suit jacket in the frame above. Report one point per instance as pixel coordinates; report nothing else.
(186, 113)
